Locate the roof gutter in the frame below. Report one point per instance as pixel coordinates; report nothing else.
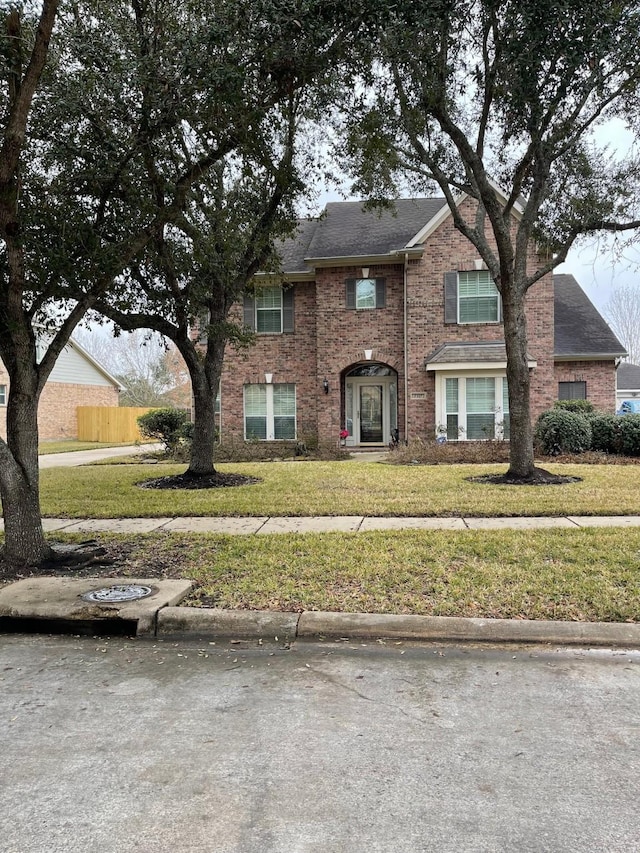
(390, 257)
(588, 356)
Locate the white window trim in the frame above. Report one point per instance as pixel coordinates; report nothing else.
(366, 307)
(441, 400)
(270, 417)
(478, 322)
(257, 310)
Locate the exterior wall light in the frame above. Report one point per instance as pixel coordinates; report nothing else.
(325, 385)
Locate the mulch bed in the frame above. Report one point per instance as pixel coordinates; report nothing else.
(198, 481)
(105, 559)
(541, 477)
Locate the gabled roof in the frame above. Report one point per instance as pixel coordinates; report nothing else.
(98, 366)
(580, 331)
(347, 230)
(628, 376)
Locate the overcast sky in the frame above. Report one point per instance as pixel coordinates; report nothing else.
(597, 265)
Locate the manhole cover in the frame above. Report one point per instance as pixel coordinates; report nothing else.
(120, 592)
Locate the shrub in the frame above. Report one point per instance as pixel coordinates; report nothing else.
(450, 452)
(230, 450)
(168, 426)
(629, 435)
(605, 432)
(578, 407)
(558, 431)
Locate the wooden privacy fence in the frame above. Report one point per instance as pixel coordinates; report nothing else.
(109, 423)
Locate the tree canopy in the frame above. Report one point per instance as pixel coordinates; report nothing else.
(111, 117)
(497, 102)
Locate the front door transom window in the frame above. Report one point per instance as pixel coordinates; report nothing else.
(371, 404)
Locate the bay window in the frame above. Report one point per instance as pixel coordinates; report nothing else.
(474, 408)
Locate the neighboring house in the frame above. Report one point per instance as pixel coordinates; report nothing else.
(76, 380)
(627, 383)
(390, 321)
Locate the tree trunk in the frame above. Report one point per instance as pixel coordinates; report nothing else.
(205, 380)
(204, 428)
(19, 483)
(521, 461)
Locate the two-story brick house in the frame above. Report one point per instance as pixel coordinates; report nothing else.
(390, 321)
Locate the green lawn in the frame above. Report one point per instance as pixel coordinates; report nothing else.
(578, 575)
(338, 488)
(581, 574)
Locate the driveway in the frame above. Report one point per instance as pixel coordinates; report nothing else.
(119, 745)
(85, 457)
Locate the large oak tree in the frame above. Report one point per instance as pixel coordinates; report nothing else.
(472, 95)
(111, 117)
(186, 282)
(192, 273)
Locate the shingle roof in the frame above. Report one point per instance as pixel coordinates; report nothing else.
(470, 351)
(628, 376)
(348, 230)
(295, 248)
(579, 329)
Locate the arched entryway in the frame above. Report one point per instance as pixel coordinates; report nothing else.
(370, 404)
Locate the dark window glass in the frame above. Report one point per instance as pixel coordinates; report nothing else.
(572, 390)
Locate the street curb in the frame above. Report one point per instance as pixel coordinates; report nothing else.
(315, 625)
(230, 624)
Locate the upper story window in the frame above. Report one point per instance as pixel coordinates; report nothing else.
(365, 293)
(478, 298)
(270, 311)
(471, 297)
(3, 395)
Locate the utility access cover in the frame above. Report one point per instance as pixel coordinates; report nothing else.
(118, 593)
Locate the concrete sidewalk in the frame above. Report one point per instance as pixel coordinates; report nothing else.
(245, 525)
(86, 457)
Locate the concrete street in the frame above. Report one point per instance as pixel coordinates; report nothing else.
(121, 745)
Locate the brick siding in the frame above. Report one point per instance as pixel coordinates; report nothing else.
(329, 340)
(600, 377)
(57, 417)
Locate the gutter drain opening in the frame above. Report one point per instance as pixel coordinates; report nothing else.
(76, 627)
(118, 593)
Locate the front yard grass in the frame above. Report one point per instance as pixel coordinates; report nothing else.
(338, 488)
(575, 575)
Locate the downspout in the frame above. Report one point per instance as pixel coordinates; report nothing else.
(406, 350)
